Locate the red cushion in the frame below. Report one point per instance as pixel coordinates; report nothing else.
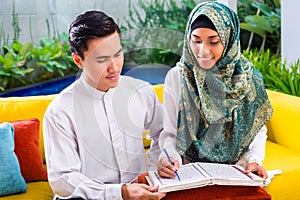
(27, 149)
(216, 192)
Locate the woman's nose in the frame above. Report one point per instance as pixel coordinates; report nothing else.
(203, 48)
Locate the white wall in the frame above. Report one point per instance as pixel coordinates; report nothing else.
(230, 3)
(290, 30)
(32, 15)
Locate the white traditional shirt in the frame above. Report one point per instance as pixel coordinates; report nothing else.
(93, 139)
(255, 153)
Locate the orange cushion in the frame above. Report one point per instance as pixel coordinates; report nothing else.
(27, 149)
(216, 192)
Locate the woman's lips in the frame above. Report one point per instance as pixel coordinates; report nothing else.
(205, 59)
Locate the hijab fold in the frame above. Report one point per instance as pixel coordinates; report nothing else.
(220, 109)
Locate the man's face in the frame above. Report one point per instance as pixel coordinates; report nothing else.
(103, 62)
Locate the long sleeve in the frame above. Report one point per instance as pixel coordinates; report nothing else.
(171, 108)
(65, 166)
(256, 152)
(93, 140)
(154, 123)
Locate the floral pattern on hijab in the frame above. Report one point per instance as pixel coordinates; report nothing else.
(220, 109)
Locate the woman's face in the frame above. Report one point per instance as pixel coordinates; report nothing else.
(206, 46)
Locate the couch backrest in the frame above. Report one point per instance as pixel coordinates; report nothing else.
(284, 125)
(20, 108)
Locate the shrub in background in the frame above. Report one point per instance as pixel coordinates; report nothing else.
(158, 31)
(23, 64)
(277, 76)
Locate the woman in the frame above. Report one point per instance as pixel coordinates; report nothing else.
(214, 98)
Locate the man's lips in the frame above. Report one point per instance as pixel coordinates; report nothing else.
(113, 77)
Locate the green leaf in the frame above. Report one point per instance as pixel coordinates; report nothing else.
(65, 37)
(263, 7)
(49, 68)
(250, 28)
(259, 22)
(61, 72)
(280, 84)
(29, 70)
(291, 84)
(4, 73)
(8, 48)
(17, 46)
(56, 55)
(1, 59)
(8, 64)
(56, 64)
(45, 42)
(26, 48)
(40, 64)
(20, 72)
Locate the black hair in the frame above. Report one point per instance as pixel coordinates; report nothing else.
(88, 26)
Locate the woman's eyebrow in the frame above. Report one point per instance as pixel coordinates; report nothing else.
(214, 36)
(195, 36)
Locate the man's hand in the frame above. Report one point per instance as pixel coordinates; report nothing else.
(140, 191)
(165, 169)
(255, 168)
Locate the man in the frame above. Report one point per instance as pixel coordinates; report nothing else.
(93, 128)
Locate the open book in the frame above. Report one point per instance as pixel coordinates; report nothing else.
(200, 174)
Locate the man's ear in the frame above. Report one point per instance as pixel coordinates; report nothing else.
(77, 60)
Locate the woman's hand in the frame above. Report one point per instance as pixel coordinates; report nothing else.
(166, 169)
(257, 169)
(141, 191)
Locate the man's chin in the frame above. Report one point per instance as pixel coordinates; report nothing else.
(110, 86)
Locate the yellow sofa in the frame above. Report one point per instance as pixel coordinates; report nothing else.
(282, 151)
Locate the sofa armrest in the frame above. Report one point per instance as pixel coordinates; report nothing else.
(284, 125)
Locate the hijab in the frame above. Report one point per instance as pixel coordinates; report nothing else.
(220, 109)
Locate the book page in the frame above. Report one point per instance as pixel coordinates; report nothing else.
(190, 175)
(187, 173)
(223, 171)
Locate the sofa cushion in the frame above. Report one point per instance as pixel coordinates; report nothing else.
(286, 185)
(27, 149)
(11, 179)
(19, 108)
(35, 190)
(282, 127)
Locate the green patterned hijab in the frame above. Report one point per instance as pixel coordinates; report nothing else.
(220, 109)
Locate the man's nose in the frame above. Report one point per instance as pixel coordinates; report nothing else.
(112, 65)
